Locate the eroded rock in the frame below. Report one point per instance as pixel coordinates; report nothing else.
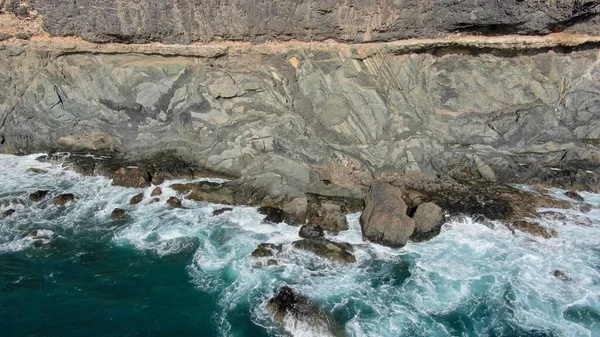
(131, 177)
(136, 199)
(38, 196)
(63, 199)
(574, 195)
(311, 231)
(289, 310)
(221, 211)
(329, 216)
(429, 219)
(534, 229)
(384, 219)
(36, 170)
(296, 209)
(334, 251)
(7, 213)
(273, 214)
(156, 191)
(174, 202)
(267, 249)
(118, 213)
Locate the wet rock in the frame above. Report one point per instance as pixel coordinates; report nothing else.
(273, 214)
(267, 249)
(174, 202)
(36, 170)
(272, 262)
(311, 231)
(329, 216)
(334, 251)
(10, 202)
(183, 188)
(131, 177)
(290, 310)
(157, 180)
(156, 192)
(136, 199)
(118, 213)
(154, 200)
(574, 195)
(221, 211)
(534, 229)
(63, 199)
(384, 219)
(560, 275)
(429, 219)
(585, 208)
(296, 210)
(38, 196)
(7, 213)
(212, 192)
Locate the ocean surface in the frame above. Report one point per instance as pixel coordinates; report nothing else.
(183, 272)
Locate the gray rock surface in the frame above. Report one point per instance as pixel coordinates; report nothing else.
(384, 219)
(186, 21)
(428, 217)
(304, 120)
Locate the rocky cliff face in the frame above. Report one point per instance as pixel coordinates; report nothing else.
(185, 21)
(317, 118)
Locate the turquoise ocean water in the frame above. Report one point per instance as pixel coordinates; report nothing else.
(182, 272)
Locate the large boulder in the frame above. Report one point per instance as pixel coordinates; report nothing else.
(212, 192)
(296, 210)
(384, 219)
(131, 177)
(136, 199)
(429, 219)
(298, 316)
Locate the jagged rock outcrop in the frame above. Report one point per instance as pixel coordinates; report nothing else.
(186, 21)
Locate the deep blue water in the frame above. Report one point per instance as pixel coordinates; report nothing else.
(182, 272)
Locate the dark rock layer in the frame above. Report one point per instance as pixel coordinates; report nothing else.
(186, 21)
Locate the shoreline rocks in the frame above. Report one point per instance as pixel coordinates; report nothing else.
(334, 251)
(385, 220)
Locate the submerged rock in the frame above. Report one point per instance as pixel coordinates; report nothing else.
(574, 195)
(560, 275)
(298, 316)
(384, 219)
(136, 199)
(36, 170)
(63, 199)
(7, 213)
(273, 214)
(131, 177)
(534, 229)
(118, 213)
(267, 249)
(38, 195)
(311, 231)
(322, 247)
(221, 211)
(429, 219)
(174, 202)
